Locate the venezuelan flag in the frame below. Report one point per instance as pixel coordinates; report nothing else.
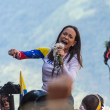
(36, 53)
(23, 87)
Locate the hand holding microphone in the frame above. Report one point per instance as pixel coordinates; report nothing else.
(60, 51)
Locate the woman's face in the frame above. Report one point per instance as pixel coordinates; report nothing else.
(67, 37)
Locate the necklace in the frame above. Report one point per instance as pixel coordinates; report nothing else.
(65, 57)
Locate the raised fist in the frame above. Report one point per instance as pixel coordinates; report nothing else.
(13, 52)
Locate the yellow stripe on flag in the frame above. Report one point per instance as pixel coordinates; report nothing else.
(44, 50)
(22, 84)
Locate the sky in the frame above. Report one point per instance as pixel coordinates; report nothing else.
(27, 25)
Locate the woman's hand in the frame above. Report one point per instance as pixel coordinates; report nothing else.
(60, 51)
(13, 52)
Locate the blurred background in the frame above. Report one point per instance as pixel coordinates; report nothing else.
(27, 25)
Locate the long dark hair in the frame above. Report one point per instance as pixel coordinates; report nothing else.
(73, 49)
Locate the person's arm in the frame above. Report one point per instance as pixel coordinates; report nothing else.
(37, 53)
(59, 90)
(74, 67)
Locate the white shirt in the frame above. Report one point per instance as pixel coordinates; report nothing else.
(71, 68)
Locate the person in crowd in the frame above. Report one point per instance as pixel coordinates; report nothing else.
(92, 102)
(5, 101)
(70, 55)
(33, 100)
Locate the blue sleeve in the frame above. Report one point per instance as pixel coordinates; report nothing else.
(32, 54)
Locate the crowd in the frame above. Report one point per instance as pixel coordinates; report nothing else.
(57, 98)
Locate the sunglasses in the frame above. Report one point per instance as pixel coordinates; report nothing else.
(5, 100)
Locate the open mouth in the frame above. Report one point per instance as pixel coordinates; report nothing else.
(64, 42)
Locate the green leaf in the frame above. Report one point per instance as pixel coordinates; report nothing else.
(106, 43)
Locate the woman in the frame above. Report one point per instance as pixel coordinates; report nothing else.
(72, 59)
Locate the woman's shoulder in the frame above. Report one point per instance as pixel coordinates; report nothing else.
(44, 50)
(74, 58)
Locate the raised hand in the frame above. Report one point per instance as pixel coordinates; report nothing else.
(13, 52)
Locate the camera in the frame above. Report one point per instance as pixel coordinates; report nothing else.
(6, 95)
(10, 88)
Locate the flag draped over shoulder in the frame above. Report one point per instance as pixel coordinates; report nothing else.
(23, 87)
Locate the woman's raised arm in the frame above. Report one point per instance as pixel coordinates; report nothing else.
(36, 53)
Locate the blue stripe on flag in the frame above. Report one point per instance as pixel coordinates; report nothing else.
(24, 91)
(21, 95)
